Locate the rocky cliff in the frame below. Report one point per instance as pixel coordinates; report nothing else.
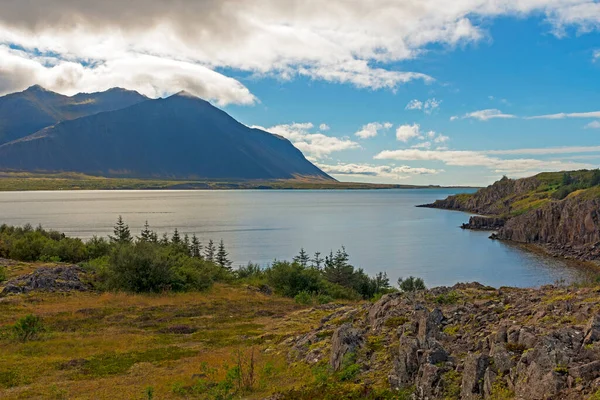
(533, 210)
(466, 342)
(495, 199)
(570, 227)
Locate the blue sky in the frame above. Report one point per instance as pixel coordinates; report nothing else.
(392, 92)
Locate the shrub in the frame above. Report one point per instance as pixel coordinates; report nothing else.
(250, 271)
(324, 299)
(3, 275)
(303, 298)
(140, 268)
(289, 279)
(411, 284)
(447, 298)
(97, 247)
(28, 328)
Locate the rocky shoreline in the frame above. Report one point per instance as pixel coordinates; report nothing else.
(468, 341)
(568, 228)
(484, 223)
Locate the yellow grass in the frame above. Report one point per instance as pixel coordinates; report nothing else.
(127, 347)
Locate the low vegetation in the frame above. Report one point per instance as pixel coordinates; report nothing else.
(22, 181)
(168, 317)
(147, 264)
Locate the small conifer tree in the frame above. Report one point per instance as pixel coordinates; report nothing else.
(210, 251)
(195, 247)
(222, 256)
(121, 232)
(176, 239)
(302, 258)
(147, 234)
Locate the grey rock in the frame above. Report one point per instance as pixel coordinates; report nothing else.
(473, 376)
(345, 339)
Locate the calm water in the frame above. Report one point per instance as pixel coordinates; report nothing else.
(381, 230)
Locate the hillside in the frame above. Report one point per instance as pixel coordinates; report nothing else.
(234, 341)
(178, 137)
(559, 210)
(24, 113)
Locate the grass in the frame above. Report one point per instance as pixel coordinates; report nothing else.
(26, 181)
(116, 345)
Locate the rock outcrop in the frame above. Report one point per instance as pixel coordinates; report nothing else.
(484, 223)
(524, 211)
(570, 227)
(492, 200)
(55, 279)
(468, 342)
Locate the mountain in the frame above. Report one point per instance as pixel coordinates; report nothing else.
(27, 112)
(558, 210)
(181, 136)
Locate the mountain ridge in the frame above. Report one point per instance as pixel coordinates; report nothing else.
(181, 136)
(26, 112)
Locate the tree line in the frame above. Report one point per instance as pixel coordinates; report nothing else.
(152, 263)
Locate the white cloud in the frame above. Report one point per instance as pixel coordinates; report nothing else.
(313, 145)
(547, 150)
(406, 132)
(593, 125)
(465, 158)
(324, 127)
(150, 75)
(281, 38)
(596, 55)
(422, 145)
(372, 129)
(591, 114)
(428, 106)
(414, 105)
(484, 115)
(384, 171)
(441, 139)
(431, 105)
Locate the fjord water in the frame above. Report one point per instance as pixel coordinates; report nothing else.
(382, 230)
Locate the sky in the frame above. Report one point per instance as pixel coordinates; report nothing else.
(391, 91)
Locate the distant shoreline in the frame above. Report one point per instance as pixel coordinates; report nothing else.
(22, 181)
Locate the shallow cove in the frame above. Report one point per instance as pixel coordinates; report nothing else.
(382, 230)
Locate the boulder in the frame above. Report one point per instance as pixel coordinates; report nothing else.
(473, 376)
(346, 339)
(55, 279)
(592, 330)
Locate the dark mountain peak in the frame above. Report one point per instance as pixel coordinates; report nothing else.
(24, 113)
(36, 88)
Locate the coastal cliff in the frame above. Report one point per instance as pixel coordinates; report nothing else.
(558, 211)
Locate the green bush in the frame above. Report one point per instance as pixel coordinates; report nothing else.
(28, 328)
(3, 275)
(324, 299)
(411, 284)
(289, 279)
(303, 298)
(451, 297)
(141, 267)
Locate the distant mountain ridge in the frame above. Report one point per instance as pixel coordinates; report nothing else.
(35, 108)
(181, 136)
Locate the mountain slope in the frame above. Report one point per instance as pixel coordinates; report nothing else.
(178, 137)
(559, 210)
(27, 112)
